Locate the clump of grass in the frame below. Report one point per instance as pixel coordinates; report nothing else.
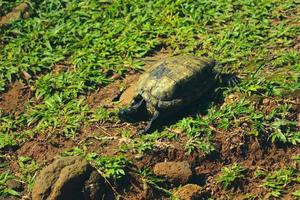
(109, 167)
(150, 180)
(75, 151)
(278, 181)
(283, 132)
(199, 134)
(148, 143)
(28, 170)
(4, 190)
(56, 116)
(7, 6)
(231, 175)
(6, 140)
(101, 114)
(296, 193)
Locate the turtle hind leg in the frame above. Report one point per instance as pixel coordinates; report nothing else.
(136, 110)
(152, 124)
(228, 79)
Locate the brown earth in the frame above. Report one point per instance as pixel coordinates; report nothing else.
(189, 192)
(14, 100)
(122, 91)
(233, 146)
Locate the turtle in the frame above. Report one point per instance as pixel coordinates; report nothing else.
(171, 84)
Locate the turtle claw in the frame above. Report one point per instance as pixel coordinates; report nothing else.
(230, 80)
(151, 125)
(141, 132)
(234, 80)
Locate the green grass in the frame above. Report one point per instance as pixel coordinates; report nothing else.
(150, 180)
(7, 6)
(28, 170)
(96, 37)
(4, 190)
(110, 167)
(256, 39)
(278, 181)
(199, 134)
(148, 143)
(231, 175)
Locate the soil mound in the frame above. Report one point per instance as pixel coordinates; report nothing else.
(68, 178)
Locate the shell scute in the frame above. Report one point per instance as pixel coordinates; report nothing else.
(175, 80)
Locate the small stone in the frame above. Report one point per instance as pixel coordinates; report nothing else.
(26, 75)
(174, 172)
(266, 101)
(189, 192)
(15, 185)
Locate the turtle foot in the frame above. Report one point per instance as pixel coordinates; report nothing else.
(127, 115)
(134, 113)
(152, 125)
(230, 80)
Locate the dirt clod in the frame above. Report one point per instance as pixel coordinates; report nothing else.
(174, 172)
(63, 179)
(15, 185)
(188, 192)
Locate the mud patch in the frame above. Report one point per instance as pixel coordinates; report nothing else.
(296, 43)
(44, 150)
(232, 146)
(105, 138)
(251, 154)
(13, 101)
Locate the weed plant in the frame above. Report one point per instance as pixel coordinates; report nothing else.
(95, 37)
(278, 181)
(256, 39)
(230, 175)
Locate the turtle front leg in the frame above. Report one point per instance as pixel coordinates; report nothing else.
(152, 124)
(129, 114)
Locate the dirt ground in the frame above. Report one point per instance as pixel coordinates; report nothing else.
(233, 146)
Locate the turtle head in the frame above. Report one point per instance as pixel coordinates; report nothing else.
(136, 112)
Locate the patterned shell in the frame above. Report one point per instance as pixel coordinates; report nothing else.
(176, 80)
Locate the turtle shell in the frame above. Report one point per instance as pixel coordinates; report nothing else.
(176, 81)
